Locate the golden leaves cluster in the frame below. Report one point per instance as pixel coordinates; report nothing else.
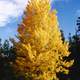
(40, 50)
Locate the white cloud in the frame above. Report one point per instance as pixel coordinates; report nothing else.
(10, 9)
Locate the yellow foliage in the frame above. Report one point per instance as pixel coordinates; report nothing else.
(40, 50)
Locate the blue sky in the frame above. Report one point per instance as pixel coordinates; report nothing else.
(68, 11)
(11, 12)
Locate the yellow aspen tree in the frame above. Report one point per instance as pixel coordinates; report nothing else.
(40, 50)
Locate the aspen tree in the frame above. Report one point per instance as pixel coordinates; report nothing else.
(40, 49)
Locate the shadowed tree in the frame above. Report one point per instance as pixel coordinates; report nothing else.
(6, 69)
(6, 48)
(62, 35)
(74, 42)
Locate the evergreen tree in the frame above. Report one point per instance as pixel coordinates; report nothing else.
(74, 42)
(0, 47)
(62, 35)
(6, 69)
(40, 50)
(6, 48)
(12, 54)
